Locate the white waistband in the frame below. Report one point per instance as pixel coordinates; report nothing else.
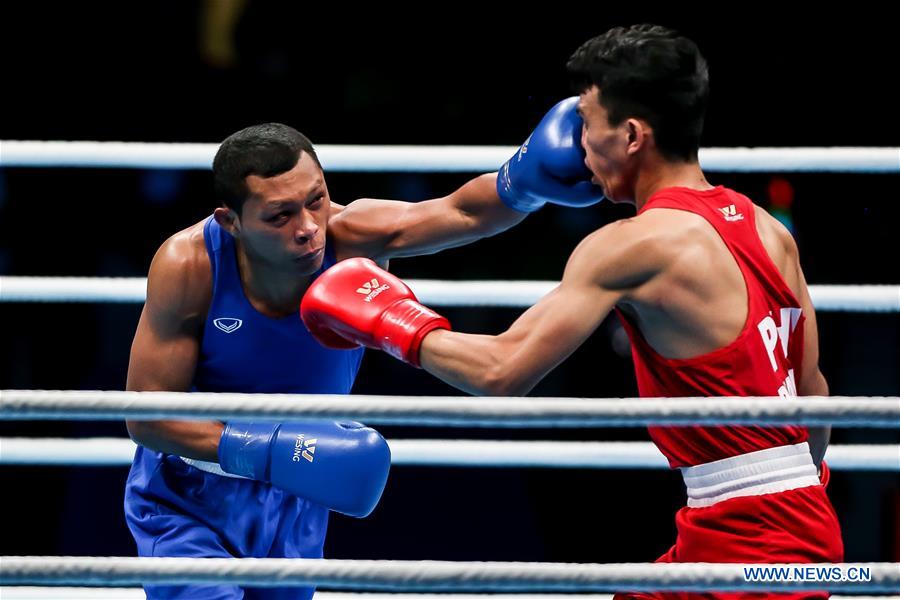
(752, 474)
(209, 467)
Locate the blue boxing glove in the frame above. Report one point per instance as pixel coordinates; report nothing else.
(342, 466)
(549, 166)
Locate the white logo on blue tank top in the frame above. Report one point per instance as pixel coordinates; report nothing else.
(228, 325)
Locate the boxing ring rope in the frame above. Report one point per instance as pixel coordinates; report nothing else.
(849, 298)
(447, 453)
(453, 411)
(427, 576)
(438, 576)
(70, 593)
(431, 159)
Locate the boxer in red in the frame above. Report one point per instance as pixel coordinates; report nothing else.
(708, 286)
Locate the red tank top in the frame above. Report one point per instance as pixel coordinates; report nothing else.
(764, 359)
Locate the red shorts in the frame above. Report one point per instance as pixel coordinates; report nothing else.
(794, 526)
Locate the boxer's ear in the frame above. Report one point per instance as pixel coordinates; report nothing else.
(228, 220)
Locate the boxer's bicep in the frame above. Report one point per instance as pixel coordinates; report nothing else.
(601, 271)
(167, 341)
(166, 347)
(811, 382)
(553, 329)
(512, 363)
(163, 354)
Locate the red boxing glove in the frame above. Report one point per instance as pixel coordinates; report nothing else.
(357, 301)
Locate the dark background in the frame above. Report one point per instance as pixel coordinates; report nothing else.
(91, 71)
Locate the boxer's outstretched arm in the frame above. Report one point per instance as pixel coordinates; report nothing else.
(385, 229)
(167, 342)
(548, 168)
(603, 270)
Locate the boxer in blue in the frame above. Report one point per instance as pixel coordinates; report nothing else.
(222, 316)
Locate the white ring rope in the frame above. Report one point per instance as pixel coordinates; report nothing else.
(853, 298)
(430, 576)
(447, 453)
(357, 158)
(862, 411)
(72, 593)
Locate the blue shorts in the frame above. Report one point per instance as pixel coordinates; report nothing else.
(174, 509)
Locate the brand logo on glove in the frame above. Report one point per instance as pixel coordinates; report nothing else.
(524, 148)
(227, 324)
(304, 448)
(731, 214)
(371, 289)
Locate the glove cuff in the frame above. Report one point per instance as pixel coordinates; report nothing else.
(512, 197)
(412, 355)
(403, 326)
(244, 449)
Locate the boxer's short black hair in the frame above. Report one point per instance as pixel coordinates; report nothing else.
(265, 150)
(651, 73)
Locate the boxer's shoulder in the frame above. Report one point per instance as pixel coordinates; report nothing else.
(681, 235)
(180, 278)
(623, 254)
(777, 239)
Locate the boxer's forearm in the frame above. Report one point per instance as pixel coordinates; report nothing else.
(818, 442)
(514, 362)
(478, 198)
(385, 229)
(192, 439)
(473, 363)
(472, 212)
(815, 384)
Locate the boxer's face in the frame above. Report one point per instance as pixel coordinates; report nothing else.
(282, 223)
(607, 148)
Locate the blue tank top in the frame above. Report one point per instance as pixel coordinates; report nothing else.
(245, 351)
(241, 351)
